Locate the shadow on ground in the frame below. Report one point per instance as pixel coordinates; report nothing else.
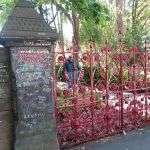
(135, 140)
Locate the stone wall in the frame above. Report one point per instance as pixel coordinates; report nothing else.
(6, 115)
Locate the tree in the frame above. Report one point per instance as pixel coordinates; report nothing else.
(120, 15)
(95, 23)
(5, 9)
(93, 20)
(81, 11)
(77, 12)
(138, 22)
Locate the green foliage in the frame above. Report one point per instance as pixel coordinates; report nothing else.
(138, 22)
(95, 12)
(93, 16)
(60, 72)
(93, 19)
(5, 9)
(90, 31)
(97, 20)
(86, 77)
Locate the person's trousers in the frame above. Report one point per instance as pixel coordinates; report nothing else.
(72, 78)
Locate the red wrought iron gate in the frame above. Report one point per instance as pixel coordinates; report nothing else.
(109, 94)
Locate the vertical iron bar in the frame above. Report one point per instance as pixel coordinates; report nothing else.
(91, 71)
(134, 80)
(92, 86)
(145, 82)
(75, 98)
(106, 86)
(121, 88)
(106, 75)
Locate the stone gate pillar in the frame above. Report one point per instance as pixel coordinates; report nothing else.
(6, 115)
(30, 41)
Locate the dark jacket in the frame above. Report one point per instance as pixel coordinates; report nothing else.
(70, 66)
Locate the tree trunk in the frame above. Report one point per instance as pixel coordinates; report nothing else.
(41, 10)
(61, 32)
(120, 25)
(134, 20)
(76, 35)
(54, 16)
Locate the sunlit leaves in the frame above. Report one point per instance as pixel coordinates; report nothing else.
(139, 19)
(6, 7)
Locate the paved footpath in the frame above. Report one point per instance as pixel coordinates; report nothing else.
(135, 140)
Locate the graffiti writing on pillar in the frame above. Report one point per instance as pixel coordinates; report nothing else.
(32, 72)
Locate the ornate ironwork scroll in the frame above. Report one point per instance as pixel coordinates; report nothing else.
(111, 96)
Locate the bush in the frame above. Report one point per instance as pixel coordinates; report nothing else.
(60, 72)
(86, 78)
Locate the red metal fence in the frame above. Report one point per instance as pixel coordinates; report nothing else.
(112, 94)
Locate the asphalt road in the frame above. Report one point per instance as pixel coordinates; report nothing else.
(135, 140)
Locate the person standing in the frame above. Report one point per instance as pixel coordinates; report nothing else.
(73, 71)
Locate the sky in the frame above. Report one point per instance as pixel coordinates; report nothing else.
(68, 33)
